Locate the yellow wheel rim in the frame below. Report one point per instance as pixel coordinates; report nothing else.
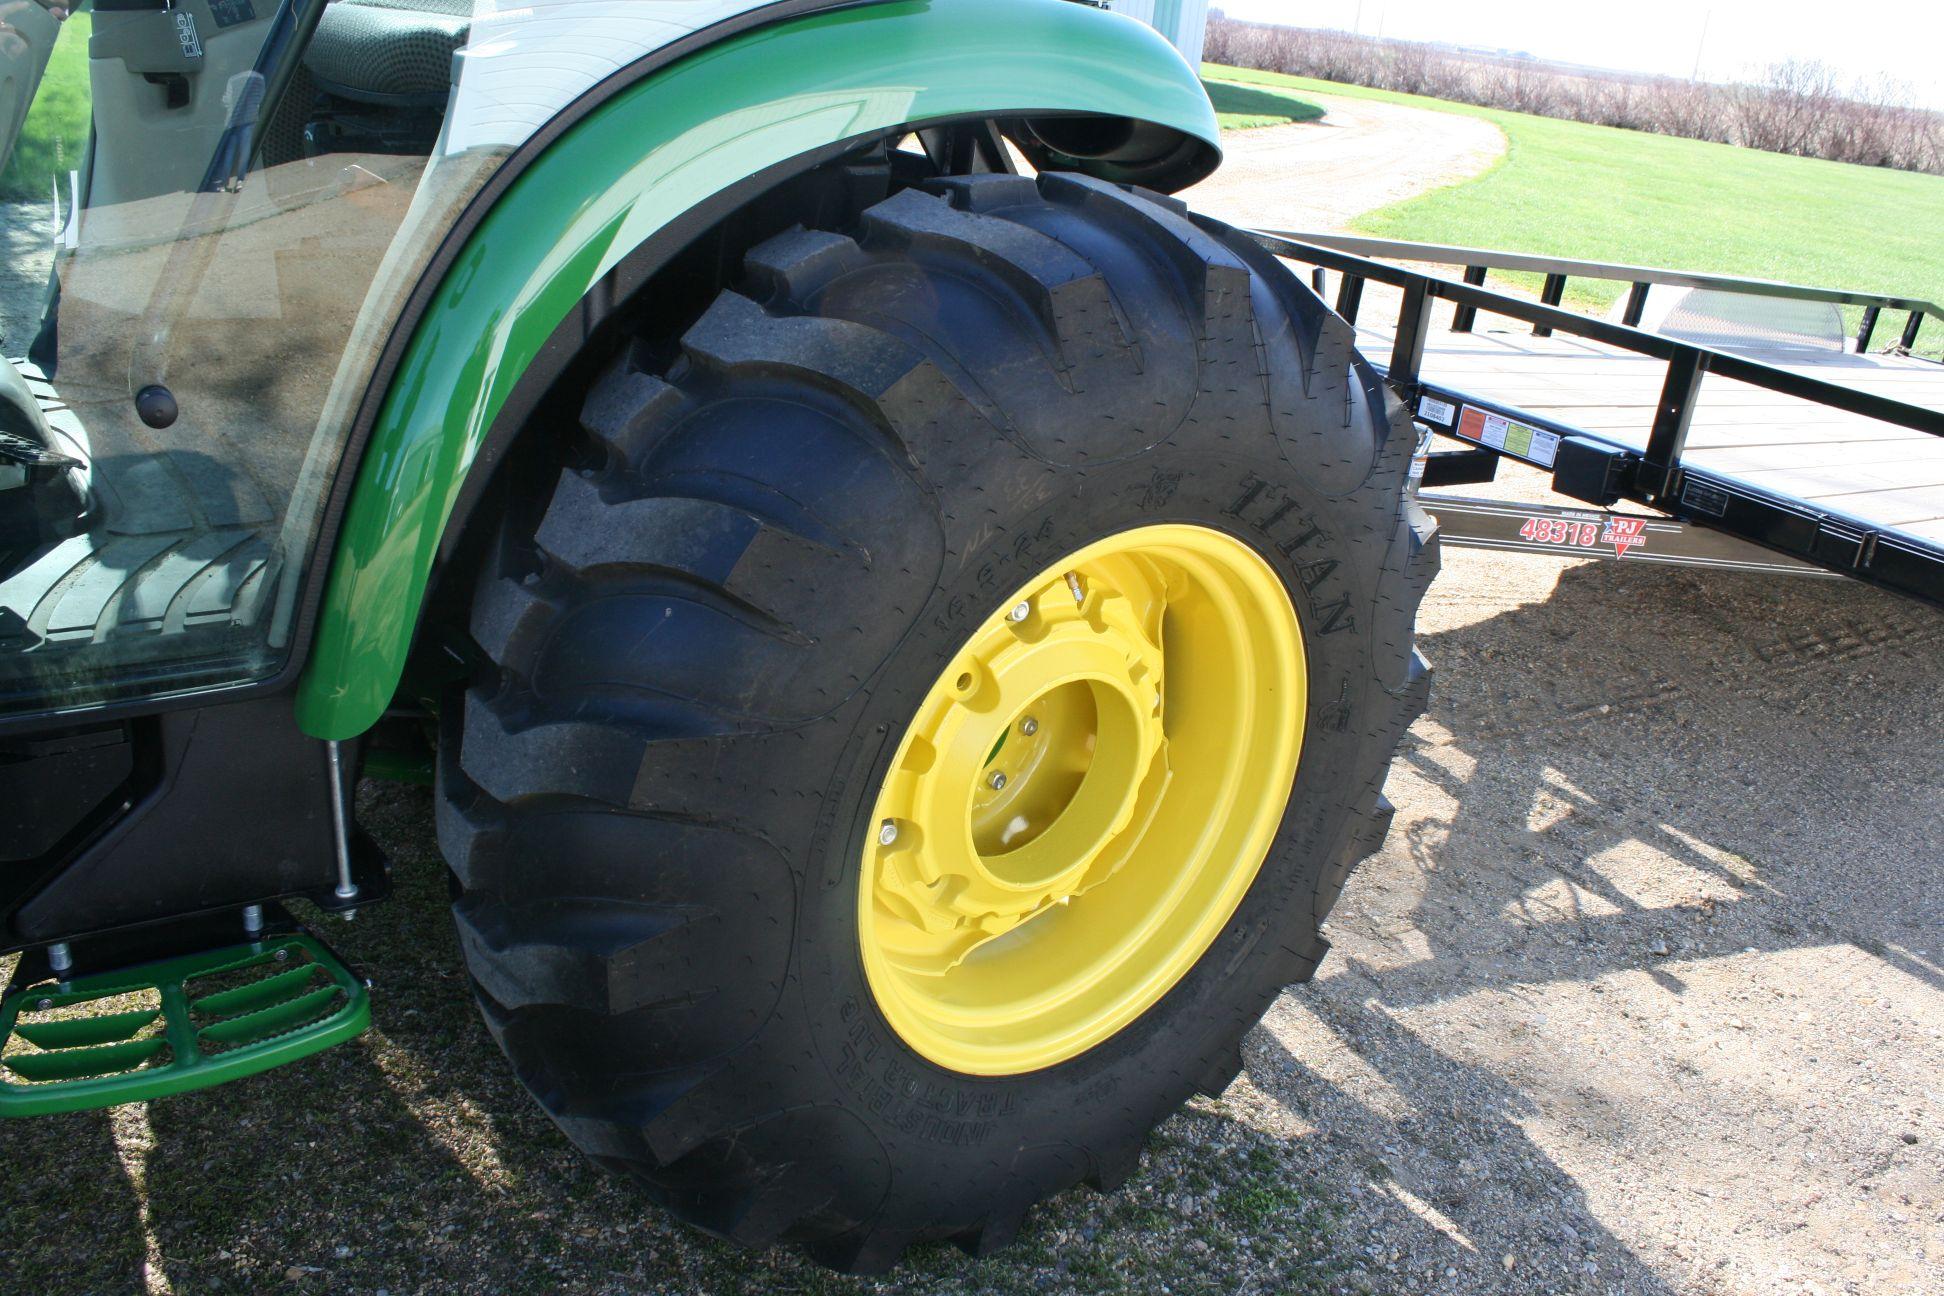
(1082, 800)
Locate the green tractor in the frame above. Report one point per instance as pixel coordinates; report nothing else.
(910, 622)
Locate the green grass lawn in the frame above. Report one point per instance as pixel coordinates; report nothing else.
(55, 137)
(1570, 189)
(1246, 107)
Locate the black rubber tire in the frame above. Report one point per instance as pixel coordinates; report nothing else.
(706, 638)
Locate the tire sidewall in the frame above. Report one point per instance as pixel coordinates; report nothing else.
(1312, 542)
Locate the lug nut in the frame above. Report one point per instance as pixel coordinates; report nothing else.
(1020, 613)
(45, 1005)
(887, 833)
(997, 782)
(1029, 726)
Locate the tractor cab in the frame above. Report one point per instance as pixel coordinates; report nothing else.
(211, 212)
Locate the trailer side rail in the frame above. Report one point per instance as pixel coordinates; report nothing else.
(1558, 270)
(1602, 470)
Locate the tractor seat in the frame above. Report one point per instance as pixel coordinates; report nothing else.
(389, 52)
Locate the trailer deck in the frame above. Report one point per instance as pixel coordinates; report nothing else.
(1833, 458)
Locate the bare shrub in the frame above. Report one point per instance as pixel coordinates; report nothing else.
(1689, 109)
(1790, 111)
(1799, 107)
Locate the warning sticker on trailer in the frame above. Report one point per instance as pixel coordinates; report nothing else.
(1533, 444)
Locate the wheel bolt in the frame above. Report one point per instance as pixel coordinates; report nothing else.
(1020, 613)
(1029, 726)
(997, 781)
(887, 833)
(44, 1005)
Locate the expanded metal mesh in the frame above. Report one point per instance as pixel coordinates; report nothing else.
(1744, 322)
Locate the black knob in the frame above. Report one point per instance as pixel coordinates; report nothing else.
(156, 405)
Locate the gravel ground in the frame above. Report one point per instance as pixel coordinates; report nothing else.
(1362, 156)
(1644, 994)
(26, 256)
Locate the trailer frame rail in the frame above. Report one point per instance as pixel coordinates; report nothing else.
(1599, 469)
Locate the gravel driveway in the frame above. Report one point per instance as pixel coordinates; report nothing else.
(1363, 155)
(1642, 996)
(1644, 992)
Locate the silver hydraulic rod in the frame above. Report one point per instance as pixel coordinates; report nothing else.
(340, 823)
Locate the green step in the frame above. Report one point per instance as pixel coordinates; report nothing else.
(174, 1026)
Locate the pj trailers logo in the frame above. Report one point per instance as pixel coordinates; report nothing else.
(1623, 533)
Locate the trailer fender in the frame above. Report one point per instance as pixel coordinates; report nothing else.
(627, 173)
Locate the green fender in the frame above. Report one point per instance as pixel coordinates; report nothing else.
(633, 166)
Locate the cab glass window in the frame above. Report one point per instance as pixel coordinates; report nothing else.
(211, 215)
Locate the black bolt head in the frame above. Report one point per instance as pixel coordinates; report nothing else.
(156, 406)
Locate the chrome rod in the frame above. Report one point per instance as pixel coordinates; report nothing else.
(340, 823)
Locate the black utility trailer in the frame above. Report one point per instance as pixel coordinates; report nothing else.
(1760, 444)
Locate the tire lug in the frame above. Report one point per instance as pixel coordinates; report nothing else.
(1020, 612)
(997, 782)
(888, 833)
(1029, 726)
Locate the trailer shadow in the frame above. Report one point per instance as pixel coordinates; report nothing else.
(1652, 767)
(1645, 797)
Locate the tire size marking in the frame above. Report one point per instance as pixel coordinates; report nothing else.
(1270, 509)
(1025, 552)
(1160, 488)
(923, 1108)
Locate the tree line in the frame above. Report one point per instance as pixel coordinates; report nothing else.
(1801, 106)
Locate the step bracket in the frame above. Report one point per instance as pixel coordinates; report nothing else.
(171, 1027)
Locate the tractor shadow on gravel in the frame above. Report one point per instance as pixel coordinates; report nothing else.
(1436, 1180)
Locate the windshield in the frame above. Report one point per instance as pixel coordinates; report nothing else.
(207, 232)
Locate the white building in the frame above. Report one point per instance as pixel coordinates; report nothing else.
(1185, 22)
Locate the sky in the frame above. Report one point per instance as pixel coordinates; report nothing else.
(1725, 38)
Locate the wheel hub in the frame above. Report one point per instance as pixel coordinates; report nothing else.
(1041, 771)
(994, 824)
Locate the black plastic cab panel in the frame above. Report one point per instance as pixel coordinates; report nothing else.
(183, 813)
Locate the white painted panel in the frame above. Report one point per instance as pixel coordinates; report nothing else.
(1191, 30)
(528, 59)
(1183, 22)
